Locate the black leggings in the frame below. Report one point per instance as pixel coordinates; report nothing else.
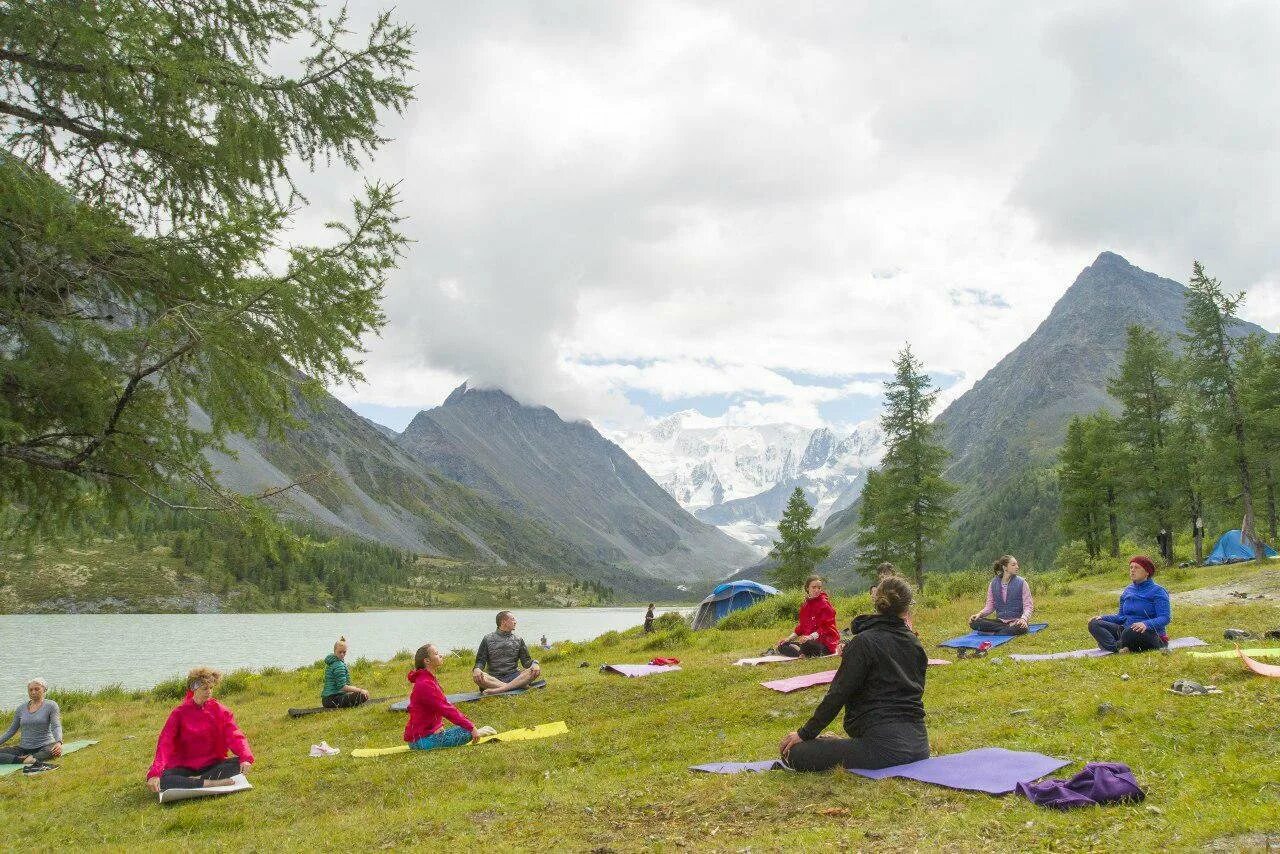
(1112, 636)
(193, 778)
(15, 755)
(881, 747)
(809, 649)
(995, 627)
(343, 700)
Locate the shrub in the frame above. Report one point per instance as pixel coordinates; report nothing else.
(956, 585)
(673, 638)
(235, 682)
(669, 620)
(69, 701)
(609, 639)
(171, 689)
(763, 614)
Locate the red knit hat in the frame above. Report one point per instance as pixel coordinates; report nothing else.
(1146, 563)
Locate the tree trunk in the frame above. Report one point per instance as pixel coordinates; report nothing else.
(1111, 522)
(1197, 527)
(1271, 500)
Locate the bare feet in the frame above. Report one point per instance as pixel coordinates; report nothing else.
(489, 692)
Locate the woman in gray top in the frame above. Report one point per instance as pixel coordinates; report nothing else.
(41, 724)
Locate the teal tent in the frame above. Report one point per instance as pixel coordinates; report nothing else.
(1232, 549)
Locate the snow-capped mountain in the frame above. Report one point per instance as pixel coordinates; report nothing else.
(739, 478)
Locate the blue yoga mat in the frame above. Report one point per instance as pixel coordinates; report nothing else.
(974, 639)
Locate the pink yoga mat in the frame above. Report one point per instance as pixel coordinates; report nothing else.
(1258, 667)
(795, 683)
(634, 670)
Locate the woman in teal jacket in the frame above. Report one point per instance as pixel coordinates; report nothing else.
(338, 692)
(1144, 613)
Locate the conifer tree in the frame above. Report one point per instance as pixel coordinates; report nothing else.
(794, 550)
(1146, 386)
(1212, 369)
(1089, 473)
(145, 195)
(910, 509)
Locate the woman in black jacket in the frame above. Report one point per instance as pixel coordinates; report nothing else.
(880, 686)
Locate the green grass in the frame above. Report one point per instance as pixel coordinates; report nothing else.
(618, 780)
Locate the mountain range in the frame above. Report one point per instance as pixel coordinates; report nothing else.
(740, 477)
(1004, 433)
(485, 479)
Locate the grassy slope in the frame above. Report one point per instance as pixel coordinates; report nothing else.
(617, 781)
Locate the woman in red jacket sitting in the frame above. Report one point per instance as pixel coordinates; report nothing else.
(192, 749)
(428, 707)
(816, 633)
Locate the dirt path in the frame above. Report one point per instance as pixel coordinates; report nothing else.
(1265, 586)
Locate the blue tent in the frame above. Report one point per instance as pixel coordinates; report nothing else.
(1231, 548)
(729, 597)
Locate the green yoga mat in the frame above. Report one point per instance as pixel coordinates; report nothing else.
(67, 747)
(1273, 652)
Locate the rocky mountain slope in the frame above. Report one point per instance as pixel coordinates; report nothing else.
(1005, 432)
(572, 481)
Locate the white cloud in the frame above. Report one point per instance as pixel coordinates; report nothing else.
(720, 193)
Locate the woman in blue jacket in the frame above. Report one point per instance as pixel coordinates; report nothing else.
(1144, 613)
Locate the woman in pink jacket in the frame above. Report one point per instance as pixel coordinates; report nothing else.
(192, 749)
(429, 708)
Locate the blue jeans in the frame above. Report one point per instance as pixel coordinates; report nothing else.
(454, 736)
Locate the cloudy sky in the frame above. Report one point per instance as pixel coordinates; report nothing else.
(626, 209)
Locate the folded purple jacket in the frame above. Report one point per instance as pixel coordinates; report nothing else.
(1098, 783)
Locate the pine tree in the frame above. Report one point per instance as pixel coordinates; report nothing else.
(1260, 400)
(145, 195)
(909, 511)
(794, 551)
(1146, 384)
(1089, 472)
(1210, 365)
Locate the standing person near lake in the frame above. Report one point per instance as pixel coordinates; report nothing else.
(428, 707)
(880, 687)
(191, 752)
(40, 722)
(815, 633)
(1144, 613)
(648, 620)
(501, 656)
(338, 692)
(1008, 601)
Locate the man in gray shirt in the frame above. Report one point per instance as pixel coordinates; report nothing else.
(500, 658)
(41, 724)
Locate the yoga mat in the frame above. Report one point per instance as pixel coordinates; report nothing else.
(67, 747)
(938, 662)
(472, 696)
(975, 639)
(993, 770)
(531, 733)
(1176, 643)
(1258, 667)
(637, 670)
(313, 710)
(776, 659)
(168, 796)
(739, 767)
(795, 683)
(1231, 653)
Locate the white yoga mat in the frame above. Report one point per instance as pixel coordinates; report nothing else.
(168, 796)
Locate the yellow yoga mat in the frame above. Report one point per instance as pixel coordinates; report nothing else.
(531, 733)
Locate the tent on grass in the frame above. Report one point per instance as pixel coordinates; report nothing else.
(729, 597)
(1232, 549)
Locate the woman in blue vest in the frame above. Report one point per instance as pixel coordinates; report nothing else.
(1009, 605)
(1144, 613)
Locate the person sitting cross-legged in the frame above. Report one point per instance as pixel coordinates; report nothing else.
(40, 723)
(815, 633)
(501, 656)
(338, 692)
(1009, 606)
(880, 688)
(191, 752)
(1144, 613)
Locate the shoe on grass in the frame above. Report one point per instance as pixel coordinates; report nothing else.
(1238, 634)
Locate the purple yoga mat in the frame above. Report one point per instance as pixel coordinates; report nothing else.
(795, 683)
(634, 670)
(739, 767)
(993, 770)
(1176, 643)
